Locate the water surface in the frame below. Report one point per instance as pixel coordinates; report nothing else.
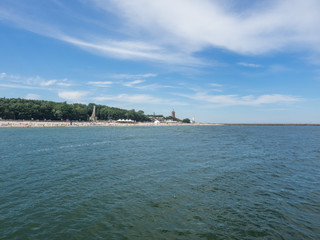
(187, 182)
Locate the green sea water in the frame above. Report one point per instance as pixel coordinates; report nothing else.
(177, 182)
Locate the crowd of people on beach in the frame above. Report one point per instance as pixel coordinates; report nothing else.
(17, 123)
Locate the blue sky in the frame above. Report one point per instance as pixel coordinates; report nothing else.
(217, 60)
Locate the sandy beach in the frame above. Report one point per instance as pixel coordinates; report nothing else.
(32, 124)
(28, 124)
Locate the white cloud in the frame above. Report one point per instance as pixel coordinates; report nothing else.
(72, 95)
(216, 90)
(133, 83)
(173, 31)
(137, 85)
(147, 75)
(37, 82)
(48, 83)
(134, 50)
(244, 64)
(215, 85)
(63, 84)
(3, 75)
(151, 87)
(32, 96)
(133, 76)
(53, 82)
(138, 98)
(264, 27)
(101, 84)
(236, 100)
(19, 86)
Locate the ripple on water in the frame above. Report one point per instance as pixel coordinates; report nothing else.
(206, 182)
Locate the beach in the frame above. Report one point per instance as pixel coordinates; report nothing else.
(28, 124)
(32, 124)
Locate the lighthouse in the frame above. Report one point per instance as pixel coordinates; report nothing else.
(173, 114)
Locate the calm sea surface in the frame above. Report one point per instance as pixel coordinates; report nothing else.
(188, 182)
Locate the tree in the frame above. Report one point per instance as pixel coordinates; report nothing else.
(16, 108)
(172, 118)
(104, 113)
(186, 120)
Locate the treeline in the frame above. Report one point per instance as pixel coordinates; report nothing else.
(18, 109)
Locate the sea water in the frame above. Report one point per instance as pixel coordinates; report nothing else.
(175, 182)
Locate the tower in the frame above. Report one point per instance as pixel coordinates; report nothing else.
(193, 121)
(93, 115)
(173, 114)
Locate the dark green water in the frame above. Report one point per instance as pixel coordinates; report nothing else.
(197, 182)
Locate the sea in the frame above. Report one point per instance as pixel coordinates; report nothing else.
(161, 182)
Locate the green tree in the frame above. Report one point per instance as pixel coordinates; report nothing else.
(16, 108)
(186, 120)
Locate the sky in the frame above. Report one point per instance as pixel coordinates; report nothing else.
(219, 61)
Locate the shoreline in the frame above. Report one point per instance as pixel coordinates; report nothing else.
(33, 124)
(37, 124)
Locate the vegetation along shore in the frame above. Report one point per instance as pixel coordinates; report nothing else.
(16, 112)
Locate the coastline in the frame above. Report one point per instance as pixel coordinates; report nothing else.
(35, 124)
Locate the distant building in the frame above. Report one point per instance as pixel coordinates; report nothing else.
(173, 114)
(171, 122)
(154, 119)
(193, 121)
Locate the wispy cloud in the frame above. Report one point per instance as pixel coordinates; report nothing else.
(18, 86)
(252, 65)
(64, 84)
(29, 18)
(101, 84)
(2, 75)
(134, 76)
(73, 96)
(172, 32)
(260, 28)
(17, 81)
(236, 100)
(215, 85)
(139, 98)
(32, 96)
(133, 83)
(154, 86)
(133, 50)
(150, 87)
(48, 83)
